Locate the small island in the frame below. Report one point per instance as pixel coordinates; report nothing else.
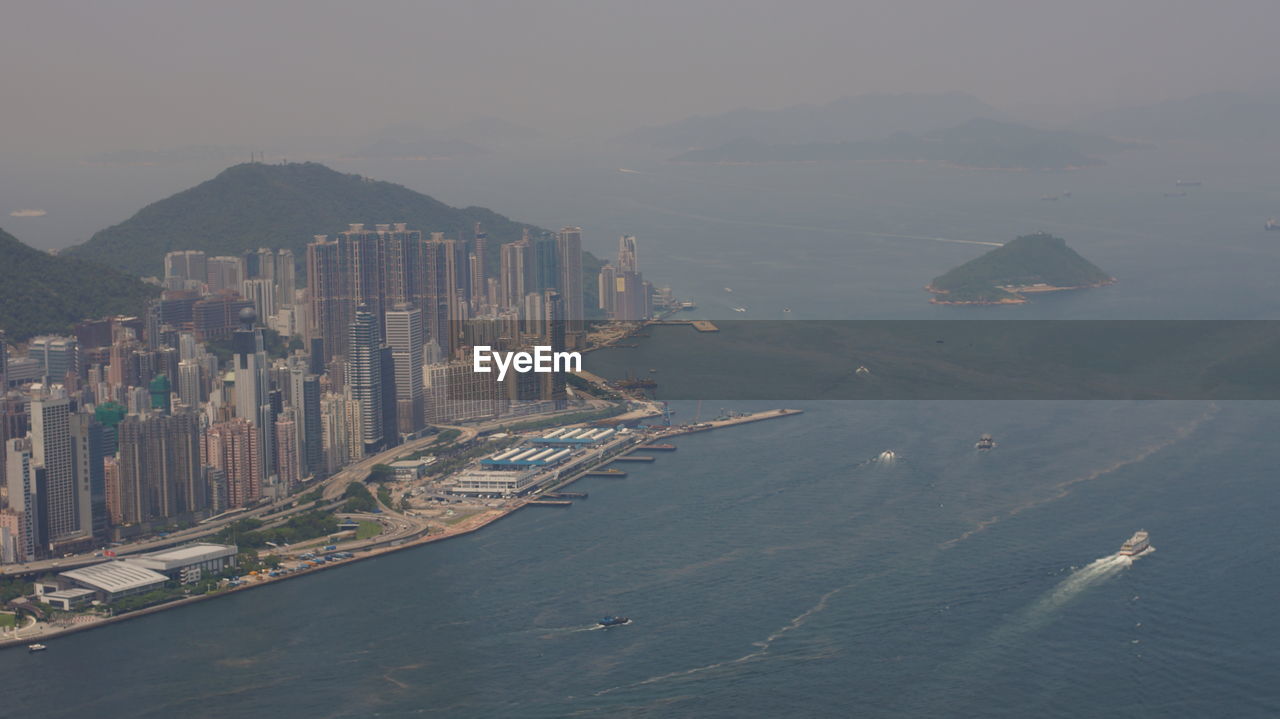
(1031, 263)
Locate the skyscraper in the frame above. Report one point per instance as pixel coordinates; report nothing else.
(570, 245)
(23, 497)
(57, 356)
(627, 260)
(288, 469)
(252, 385)
(364, 375)
(159, 467)
(286, 278)
(88, 448)
(233, 448)
(546, 260)
(224, 273)
(405, 336)
(51, 449)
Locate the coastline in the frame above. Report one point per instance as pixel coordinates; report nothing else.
(467, 526)
(1016, 290)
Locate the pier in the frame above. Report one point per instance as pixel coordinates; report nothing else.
(614, 473)
(633, 458)
(565, 495)
(658, 447)
(699, 325)
(549, 503)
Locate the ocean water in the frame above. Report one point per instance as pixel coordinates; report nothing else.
(777, 567)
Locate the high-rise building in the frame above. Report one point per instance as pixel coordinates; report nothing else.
(224, 273)
(570, 245)
(606, 290)
(406, 338)
(627, 259)
(233, 448)
(190, 388)
(546, 261)
(252, 386)
(262, 293)
(364, 375)
(88, 448)
(51, 449)
(159, 467)
(185, 270)
(307, 412)
(57, 356)
(340, 427)
(286, 278)
(288, 468)
(24, 498)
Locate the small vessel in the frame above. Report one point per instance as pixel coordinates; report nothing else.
(1067, 194)
(985, 442)
(739, 309)
(1187, 183)
(786, 309)
(652, 369)
(613, 621)
(862, 371)
(888, 456)
(36, 647)
(1049, 198)
(728, 289)
(1135, 545)
(688, 306)
(1273, 225)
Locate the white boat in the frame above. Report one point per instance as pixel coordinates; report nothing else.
(36, 647)
(739, 309)
(1135, 545)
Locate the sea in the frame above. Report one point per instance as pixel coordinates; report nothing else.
(859, 559)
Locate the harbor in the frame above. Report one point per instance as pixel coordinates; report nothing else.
(414, 533)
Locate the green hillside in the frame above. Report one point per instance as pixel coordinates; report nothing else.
(258, 205)
(1039, 259)
(43, 293)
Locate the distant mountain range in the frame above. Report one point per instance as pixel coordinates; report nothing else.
(850, 119)
(979, 142)
(43, 293)
(1212, 117)
(1032, 263)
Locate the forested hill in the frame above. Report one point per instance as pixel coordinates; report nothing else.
(43, 293)
(278, 206)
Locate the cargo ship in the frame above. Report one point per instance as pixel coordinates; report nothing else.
(985, 442)
(1137, 544)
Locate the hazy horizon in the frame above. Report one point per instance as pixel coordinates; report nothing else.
(150, 75)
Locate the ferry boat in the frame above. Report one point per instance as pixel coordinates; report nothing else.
(613, 621)
(985, 442)
(1137, 544)
(36, 647)
(688, 306)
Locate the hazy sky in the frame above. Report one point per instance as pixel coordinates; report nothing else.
(153, 74)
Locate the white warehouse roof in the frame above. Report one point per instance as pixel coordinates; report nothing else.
(115, 577)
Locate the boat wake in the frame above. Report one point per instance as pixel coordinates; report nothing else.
(1095, 573)
(762, 648)
(1062, 489)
